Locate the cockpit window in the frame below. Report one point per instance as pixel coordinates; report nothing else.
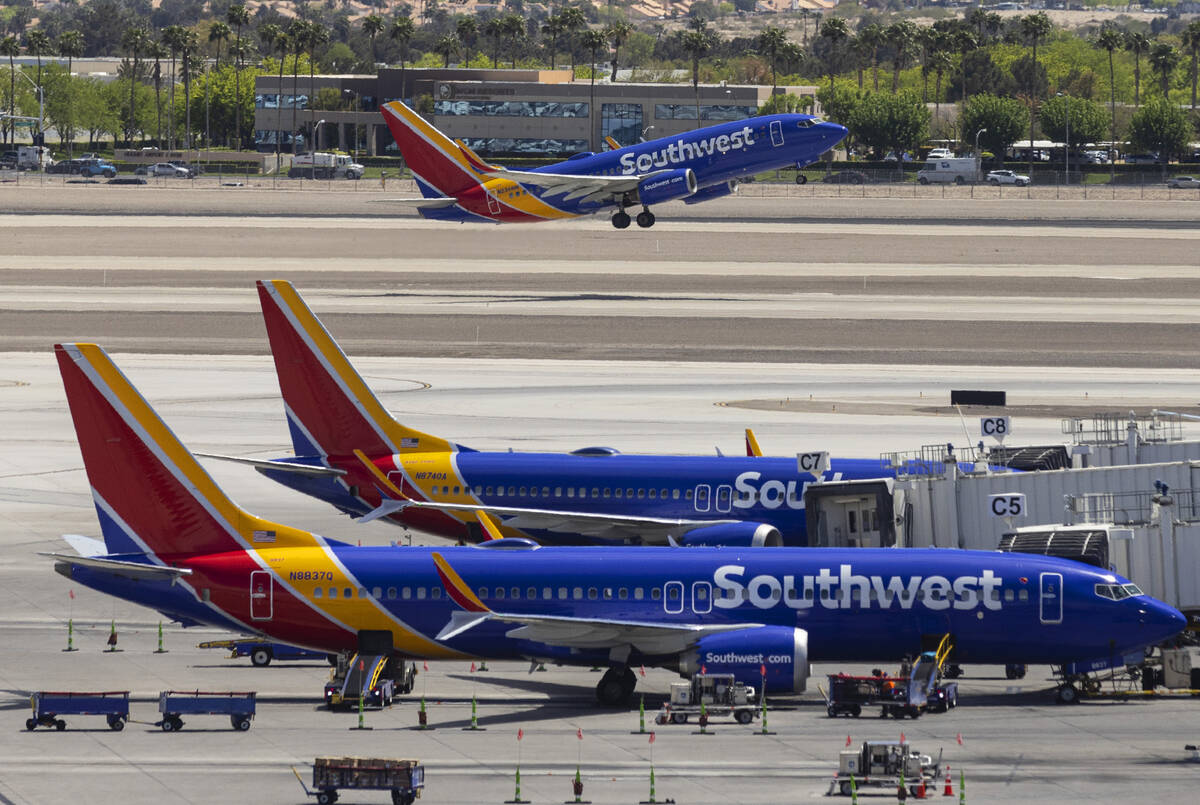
(1133, 589)
(805, 123)
(1117, 592)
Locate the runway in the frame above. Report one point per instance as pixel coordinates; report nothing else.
(805, 320)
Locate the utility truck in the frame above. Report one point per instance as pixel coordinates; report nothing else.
(885, 764)
(712, 695)
(324, 165)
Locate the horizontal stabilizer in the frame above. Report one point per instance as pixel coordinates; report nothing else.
(279, 466)
(384, 509)
(460, 622)
(132, 570)
(86, 546)
(427, 203)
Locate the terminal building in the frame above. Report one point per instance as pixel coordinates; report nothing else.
(539, 113)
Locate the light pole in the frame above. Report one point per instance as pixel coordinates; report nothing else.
(41, 93)
(317, 135)
(978, 156)
(1067, 145)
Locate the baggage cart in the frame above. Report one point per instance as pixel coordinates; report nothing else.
(404, 778)
(240, 707)
(49, 705)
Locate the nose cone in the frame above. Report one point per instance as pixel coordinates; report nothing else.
(1161, 621)
(832, 134)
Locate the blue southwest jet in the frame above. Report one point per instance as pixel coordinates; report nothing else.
(173, 541)
(697, 166)
(351, 453)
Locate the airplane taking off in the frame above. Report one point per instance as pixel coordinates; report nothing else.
(695, 166)
(351, 453)
(174, 542)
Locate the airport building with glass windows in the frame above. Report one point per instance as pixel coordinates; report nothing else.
(498, 113)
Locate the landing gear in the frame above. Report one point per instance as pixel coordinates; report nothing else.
(621, 219)
(615, 687)
(1067, 694)
(645, 218)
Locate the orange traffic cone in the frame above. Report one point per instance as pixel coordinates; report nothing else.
(921, 788)
(948, 791)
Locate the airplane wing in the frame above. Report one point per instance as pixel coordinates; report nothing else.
(606, 526)
(646, 636)
(131, 570)
(428, 203)
(280, 466)
(575, 186)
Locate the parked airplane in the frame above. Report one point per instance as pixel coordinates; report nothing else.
(351, 453)
(174, 542)
(696, 166)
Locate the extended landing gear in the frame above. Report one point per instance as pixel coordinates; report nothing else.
(621, 219)
(615, 687)
(645, 218)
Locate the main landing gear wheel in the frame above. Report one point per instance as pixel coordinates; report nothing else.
(1067, 694)
(645, 219)
(621, 220)
(615, 687)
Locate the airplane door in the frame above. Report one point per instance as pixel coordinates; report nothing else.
(701, 597)
(702, 493)
(673, 597)
(724, 498)
(776, 133)
(1051, 598)
(493, 205)
(262, 602)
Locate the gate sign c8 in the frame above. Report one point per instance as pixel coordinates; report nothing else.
(813, 463)
(1008, 504)
(996, 427)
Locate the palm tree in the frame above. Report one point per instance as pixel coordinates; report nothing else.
(71, 45)
(493, 29)
(551, 29)
(1111, 39)
(402, 30)
(696, 43)
(172, 37)
(447, 45)
(1190, 39)
(939, 62)
(10, 47)
(466, 30)
(238, 17)
(158, 52)
(1034, 28)
(37, 42)
(834, 30)
(513, 26)
(372, 26)
(902, 36)
(297, 37)
(134, 41)
(592, 40)
(219, 32)
(869, 40)
(573, 21)
(316, 35)
(1163, 60)
(964, 43)
(1138, 44)
(770, 42)
(188, 45)
(618, 32)
(273, 40)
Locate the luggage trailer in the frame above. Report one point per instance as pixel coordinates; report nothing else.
(49, 705)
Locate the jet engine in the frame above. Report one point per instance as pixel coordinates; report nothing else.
(667, 186)
(711, 192)
(734, 535)
(781, 650)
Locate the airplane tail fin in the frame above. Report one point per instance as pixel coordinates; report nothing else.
(330, 408)
(441, 167)
(153, 499)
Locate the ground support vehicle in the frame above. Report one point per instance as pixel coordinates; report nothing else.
(261, 652)
(33, 157)
(1170, 672)
(378, 678)
(909, 693)
(405, 778)
(710, 695)
(883, 764)
(323, 165)
(240, 707)
(49, 705)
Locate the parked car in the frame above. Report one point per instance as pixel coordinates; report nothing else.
(846, 177)
(1143, 159)
(95, 167)
(1183, 181)
(8, 160)
(941, 153)
(1007, 177)
(68, 166)
(163, 169)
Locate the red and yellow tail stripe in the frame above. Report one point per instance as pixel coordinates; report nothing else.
(456, 588)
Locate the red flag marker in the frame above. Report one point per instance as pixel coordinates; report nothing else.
(763, 669)
(704, 669)
(643, 670)
(472, 667)
(72, 594)
(959, 737)
(520, 733)
(579, 733)
(426, 665)
(902, 737)
(652, 736)
(361, 665)
(847, 740)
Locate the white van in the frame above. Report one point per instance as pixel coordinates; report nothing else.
(958, 171)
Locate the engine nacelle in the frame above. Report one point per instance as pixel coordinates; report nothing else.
(781, 650)
(711, 192)
(667, 186)
(734, 535)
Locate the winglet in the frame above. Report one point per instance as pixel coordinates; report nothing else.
(490, 526)
(752, 448)
(457, 589)
(613, 144)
